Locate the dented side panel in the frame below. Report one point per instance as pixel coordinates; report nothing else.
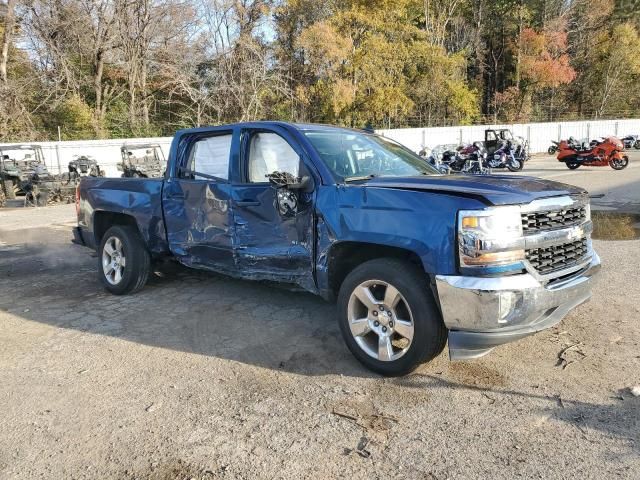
(269, 244)
(139, 198)
(421, 222)
(198, 220)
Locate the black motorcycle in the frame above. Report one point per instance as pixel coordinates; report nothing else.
(505, 157)
(553, 149)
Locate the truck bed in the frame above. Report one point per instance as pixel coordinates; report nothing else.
(137, 198)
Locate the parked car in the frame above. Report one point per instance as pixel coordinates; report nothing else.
(411, 256)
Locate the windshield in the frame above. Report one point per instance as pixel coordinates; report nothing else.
(20, 154)
(354, 155)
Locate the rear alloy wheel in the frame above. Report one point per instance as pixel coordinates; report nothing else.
(619, 163)
(572, 165)
(124, 260)
(388, 317)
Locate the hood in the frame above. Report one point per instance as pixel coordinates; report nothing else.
(491, 189)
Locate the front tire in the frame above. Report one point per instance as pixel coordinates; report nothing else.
(637, 145)
(572, 165)
(388, 317)
(124, 262)
(619, 163)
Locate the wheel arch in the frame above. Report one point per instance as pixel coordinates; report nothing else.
(103, 220)
(344, 256)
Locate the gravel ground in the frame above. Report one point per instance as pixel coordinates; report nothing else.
(201, 376)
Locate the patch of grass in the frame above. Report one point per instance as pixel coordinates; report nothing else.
(615, 226)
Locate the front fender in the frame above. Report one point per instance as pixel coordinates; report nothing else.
(422, 222)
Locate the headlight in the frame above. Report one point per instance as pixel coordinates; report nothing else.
(491, 241)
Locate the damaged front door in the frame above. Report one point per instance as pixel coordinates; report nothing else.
(273, 220)
(196, 204)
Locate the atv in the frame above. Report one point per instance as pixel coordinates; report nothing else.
(18, 163)
(142, 160)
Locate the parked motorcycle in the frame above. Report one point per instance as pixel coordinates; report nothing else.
(505, 157)
(471, 159)
(607, 152)
(631, 141)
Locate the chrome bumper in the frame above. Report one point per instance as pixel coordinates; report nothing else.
(482, 313)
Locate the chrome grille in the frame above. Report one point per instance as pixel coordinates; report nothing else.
(550, 220)
(557, 257)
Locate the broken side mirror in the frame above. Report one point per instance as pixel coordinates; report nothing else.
(286, 180)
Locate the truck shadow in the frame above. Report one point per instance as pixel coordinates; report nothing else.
(193, 311)
(619, 419)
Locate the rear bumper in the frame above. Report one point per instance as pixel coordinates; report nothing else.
(482, 313)
(81, 237)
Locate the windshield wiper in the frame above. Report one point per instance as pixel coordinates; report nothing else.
(363, 177)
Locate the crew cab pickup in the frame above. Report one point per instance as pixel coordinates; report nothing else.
(411, 256)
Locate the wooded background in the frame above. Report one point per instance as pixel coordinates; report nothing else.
(128, 68)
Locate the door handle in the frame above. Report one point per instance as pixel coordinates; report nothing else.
(177, 195)
(248, 203)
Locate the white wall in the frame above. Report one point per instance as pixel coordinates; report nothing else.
(539, 135)
(106, 152)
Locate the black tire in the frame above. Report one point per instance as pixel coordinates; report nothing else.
(637, 145)
(620, 165)
(519, 165)
(551, 150)
(138, 261)
(573, 165)
(9, 190)
(430, 333)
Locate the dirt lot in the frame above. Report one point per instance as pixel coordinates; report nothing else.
(200, 376)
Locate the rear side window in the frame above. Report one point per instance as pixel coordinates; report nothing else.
(209, 157)
(268, 153)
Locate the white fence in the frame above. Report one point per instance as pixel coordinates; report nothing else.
(539, 135)
(107, 152)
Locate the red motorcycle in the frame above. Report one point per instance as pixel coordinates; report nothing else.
(608, 152)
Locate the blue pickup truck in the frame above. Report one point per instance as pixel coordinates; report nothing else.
(412, 257)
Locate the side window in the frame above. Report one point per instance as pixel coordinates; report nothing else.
(268, 153)
(491, 136)
(209, 156)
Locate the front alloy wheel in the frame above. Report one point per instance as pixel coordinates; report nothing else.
(388, 316)
(380, 320)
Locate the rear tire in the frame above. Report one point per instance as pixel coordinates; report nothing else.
(415, 313)
(551, 150)
(9, 190)
(637, 145)
(573, 165)
(515, 166)
(124, 262)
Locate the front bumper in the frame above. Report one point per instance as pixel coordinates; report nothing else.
(482, 313)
